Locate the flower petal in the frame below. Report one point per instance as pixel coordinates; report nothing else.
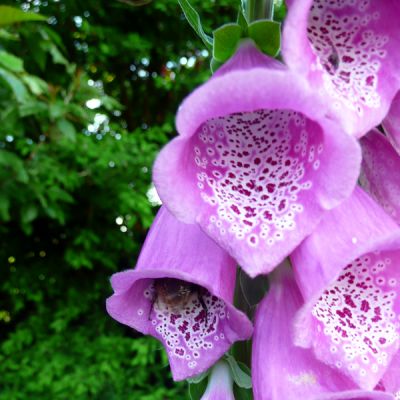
(380, 174)
(283, 371)
(347, 271)
(220, 385)
(201, 327)
(348, 49)
(391, 380)
(256, 164)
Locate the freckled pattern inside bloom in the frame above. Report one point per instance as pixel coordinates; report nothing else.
(252, 169)
(191, 330)
(343, 36)
(359, 314)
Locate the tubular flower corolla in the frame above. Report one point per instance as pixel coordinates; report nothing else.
(256, 162)
(181, 293)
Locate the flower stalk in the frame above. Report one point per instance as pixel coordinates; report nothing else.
(258, 9)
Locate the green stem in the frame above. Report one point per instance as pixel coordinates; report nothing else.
(258, 9)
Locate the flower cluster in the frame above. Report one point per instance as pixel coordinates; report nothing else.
(299, 159)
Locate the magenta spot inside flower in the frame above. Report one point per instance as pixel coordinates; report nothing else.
(189, 332)
(343, 35)
(358, 314)
(252, 170)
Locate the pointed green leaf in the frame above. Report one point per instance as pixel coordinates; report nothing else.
(11, 15)
(10, 62)
(226, 39)
(29, 213)
(15, 84)
(267, 36)
(67, 129)
(194, 20)
(36, 85)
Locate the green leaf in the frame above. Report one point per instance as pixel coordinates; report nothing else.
(28, 213)
(241, 378)
(267, 35)
(194, 20)
(56, 55)
(32, 108)
(226, 39)
(12, 63)
(36, 85)
(15, 84)
(12, 162)
(196, 390)
(11, 15)
(57, 109)
(5, 35)
(67, 129)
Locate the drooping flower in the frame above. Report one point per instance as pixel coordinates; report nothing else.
(282, 370)
(349, 50)
(348, 273)
(391, 123)
(220, 384)
(380, 173)
(181, 292)
(256, 163)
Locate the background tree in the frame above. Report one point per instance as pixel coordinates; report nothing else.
(87, 99)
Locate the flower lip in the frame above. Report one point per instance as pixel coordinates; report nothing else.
(135, 306)
(282, 370)
(307, 150)
(351, 299)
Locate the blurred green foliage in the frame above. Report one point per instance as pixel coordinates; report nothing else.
(86, 101)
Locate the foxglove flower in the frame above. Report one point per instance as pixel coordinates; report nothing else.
(380, 173)
(349, 50)
(220, 384)
(181, 292)
(282, 370)
(391, 123)
(348, 273)
(255, 163)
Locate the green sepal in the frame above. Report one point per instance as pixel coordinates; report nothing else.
(242, 21)
(193, 18)
(267, 35)
(242, 393)
(214, 64)
(241, 374)
(198, 378)
(226, 39)
(196, 390)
